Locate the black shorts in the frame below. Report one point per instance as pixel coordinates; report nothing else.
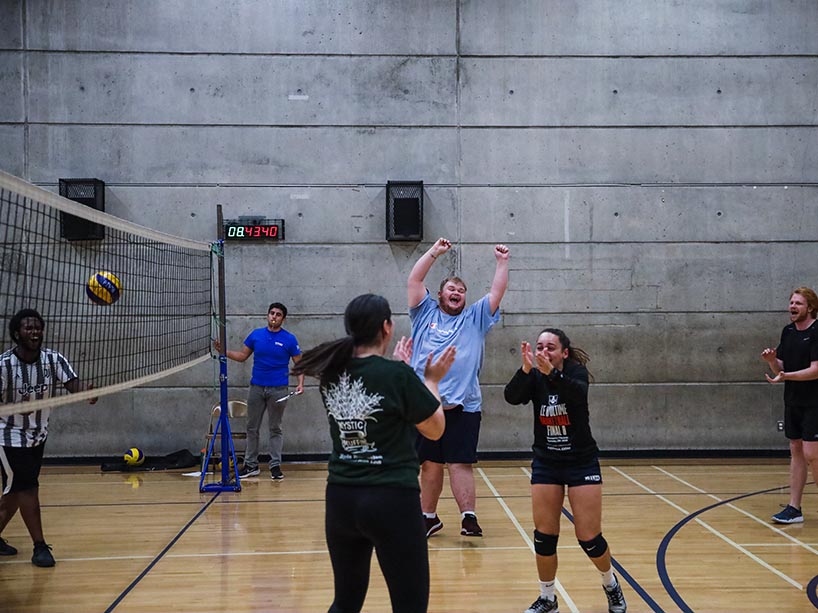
(458, 445)
(547, 473)
(801, 423)
(21, 467)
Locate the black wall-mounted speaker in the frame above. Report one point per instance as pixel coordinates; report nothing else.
(90, 192)
(404, 210)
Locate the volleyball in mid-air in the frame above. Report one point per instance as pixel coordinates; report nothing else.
(134, 457)
(103, 288)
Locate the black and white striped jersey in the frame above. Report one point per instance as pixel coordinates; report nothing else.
(21, 382)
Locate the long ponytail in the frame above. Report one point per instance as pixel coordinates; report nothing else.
(363, 320)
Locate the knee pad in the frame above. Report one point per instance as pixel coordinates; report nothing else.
(545, 544)
(596, 547)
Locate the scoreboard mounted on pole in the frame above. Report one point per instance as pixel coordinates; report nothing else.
(253, 230)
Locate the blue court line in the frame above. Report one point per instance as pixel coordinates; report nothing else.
(661, 553)
(161, 555)
(812, 591)
(654, 606)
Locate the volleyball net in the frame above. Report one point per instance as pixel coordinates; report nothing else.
(126, 309)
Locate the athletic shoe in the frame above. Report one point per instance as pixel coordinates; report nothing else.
(276, 474)
(6, 549)
(543, 605)
(470, 527)
(248, 471)
(42, 555)
(790, 515)
(616, 600)
(433, 524)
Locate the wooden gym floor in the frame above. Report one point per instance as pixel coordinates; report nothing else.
(688, 535)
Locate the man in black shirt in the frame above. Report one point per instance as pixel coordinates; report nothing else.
(795, 361)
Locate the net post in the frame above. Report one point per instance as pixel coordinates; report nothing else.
(228, 452)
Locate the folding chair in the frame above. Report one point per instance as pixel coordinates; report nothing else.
(236, 410)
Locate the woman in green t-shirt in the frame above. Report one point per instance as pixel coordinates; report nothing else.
(375, 406)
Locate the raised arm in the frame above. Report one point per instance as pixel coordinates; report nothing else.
(500, 282)
(415, 288)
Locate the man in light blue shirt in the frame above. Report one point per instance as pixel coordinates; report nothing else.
(435, 326)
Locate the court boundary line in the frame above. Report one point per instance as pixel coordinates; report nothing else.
(566, 598)
(161, 554)
(661, 552)
(635, 585)
(764, 523)
(245, 554)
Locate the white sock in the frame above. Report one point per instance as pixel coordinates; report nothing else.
(608, 578)
(547, 589)
(464, 513)
(430, 515)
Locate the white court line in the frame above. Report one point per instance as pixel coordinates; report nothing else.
(236, 554)
(771, 544)
(565, 597)
(715, 532)
(742, 511)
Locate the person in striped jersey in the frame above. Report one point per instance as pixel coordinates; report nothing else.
(28, 372)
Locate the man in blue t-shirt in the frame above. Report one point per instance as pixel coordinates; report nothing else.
(272, 348)
(435, 326)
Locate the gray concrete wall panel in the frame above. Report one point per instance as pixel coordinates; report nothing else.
(245, 26)
(319, 278)
(599, 27)
(639, 214)
(11, 25)
(647, 277)
(256, 90)
(140, 417)
(638, 91)
(328, 215)
(302, 156)
(12, 149)
(636, 155)
(11, 86)
(647, 348)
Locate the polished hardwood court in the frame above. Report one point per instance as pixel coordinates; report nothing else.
(686, 535)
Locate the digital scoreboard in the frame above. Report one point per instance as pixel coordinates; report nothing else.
(253, 229)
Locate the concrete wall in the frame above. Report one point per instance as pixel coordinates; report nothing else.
(652, 166)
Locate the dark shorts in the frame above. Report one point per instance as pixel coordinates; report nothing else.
(545, 473)
(458, 445)
(801, 423)
(21, 467)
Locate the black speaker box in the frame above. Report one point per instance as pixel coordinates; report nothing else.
(404, 210)
(90, 192)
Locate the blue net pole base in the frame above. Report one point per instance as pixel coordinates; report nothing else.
(230, 480)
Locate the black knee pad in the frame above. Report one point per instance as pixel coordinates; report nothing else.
(545, 544)
(596, 547)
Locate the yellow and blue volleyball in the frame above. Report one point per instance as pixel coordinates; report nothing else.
(134, 457)
(103, 288)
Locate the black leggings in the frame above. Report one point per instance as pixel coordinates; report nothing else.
(388, 519)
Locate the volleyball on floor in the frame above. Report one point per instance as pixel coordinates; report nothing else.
(134, 456)
(103, 288)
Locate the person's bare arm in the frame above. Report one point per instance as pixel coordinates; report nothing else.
(415, 286)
